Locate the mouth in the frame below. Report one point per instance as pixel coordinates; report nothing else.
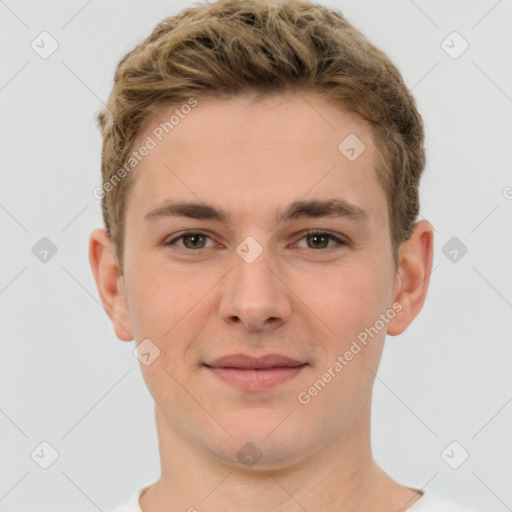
(255, 373)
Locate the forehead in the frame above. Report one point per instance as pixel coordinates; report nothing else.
(248, 152)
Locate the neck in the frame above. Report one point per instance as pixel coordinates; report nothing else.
(341, 477)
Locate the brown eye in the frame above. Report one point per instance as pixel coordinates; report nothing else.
(192, 240)
(321, 239)
(318, 240)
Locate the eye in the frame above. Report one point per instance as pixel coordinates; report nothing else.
(319, 238)
(195, 240)
(191, 240)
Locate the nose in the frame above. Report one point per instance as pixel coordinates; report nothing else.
(255, 295)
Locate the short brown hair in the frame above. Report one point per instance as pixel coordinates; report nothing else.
(233, 47)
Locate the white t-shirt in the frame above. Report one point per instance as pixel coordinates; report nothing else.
(429, 502)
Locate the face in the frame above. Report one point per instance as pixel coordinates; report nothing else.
(259, 281)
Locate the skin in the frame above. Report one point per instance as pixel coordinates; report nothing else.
(300, 298)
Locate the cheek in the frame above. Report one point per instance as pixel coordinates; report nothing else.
(160, 297)
(162, 309)
(349, 303)
(346, 299)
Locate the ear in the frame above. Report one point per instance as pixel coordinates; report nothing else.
(412, 276)
(109, 283)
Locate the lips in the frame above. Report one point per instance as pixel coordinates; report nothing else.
(245, 362)
(250, 373)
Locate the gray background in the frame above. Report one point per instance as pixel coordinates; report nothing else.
(67, 380)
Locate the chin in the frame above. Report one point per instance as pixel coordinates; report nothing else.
(257, 456)
(262, 446)
(261, 423)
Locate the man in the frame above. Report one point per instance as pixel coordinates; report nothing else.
(261, 165)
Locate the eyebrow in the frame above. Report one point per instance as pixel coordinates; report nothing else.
(298, 209)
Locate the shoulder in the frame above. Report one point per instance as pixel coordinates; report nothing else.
(431, 502)
(132, 505)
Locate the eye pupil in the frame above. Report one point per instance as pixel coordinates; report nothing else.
(188, 237)
(316, 237)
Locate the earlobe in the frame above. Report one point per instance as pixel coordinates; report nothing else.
(110, 283)
(413, 276)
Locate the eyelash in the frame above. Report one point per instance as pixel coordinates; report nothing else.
(326, 234)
